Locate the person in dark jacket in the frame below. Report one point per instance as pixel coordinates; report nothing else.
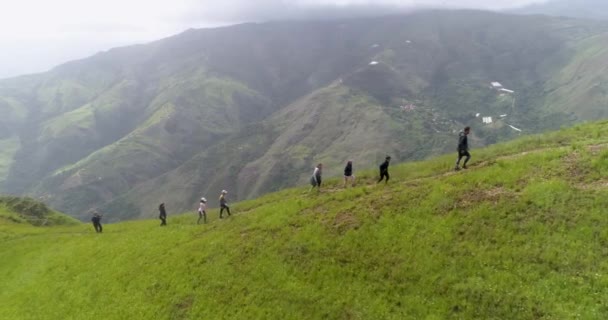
(348, 174)
(96, 219)
(224, 204)
(315, 180)
(163, 214)
(463, 148)
(384, 170)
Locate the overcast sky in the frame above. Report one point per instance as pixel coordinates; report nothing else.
(39, 34)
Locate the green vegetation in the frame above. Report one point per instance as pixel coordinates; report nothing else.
(582, 82)
(8, 147)
(521, 235)
(23, 216)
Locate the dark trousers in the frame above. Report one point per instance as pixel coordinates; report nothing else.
(384, 175)
(97, 226)
(202, 215)
(163, 220)
(463, 154)
(227, 208)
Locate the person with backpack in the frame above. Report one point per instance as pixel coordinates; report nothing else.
(202, 211)
(96, 219)
(463, 148)
(224, 204)
(163, 215)
(348, 174)
(384, 170)
(315, 180)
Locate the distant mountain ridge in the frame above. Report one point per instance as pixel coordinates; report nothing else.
(251, 108)
(588, 9)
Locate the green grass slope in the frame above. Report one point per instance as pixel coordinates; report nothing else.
(20, 217)
(521, 235)
(18, 210)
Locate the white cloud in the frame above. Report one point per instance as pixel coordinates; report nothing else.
(38, 34)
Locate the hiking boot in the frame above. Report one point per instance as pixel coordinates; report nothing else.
(464, 167)
(457, 168)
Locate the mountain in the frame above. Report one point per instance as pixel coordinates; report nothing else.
(15, 211)
(521, 234)
(251, 108)
(588, 9)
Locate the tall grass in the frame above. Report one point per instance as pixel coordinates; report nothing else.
(521, 235)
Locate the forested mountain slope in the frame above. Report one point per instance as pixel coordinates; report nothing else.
(251, 108)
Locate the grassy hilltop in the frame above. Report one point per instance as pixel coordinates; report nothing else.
(521, 235)
(29, 212)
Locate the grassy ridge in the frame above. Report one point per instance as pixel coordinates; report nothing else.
(520, 235)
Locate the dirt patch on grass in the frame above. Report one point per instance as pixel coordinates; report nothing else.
(317, 210)
(474, 197)
(574, 168)
(593, 185)
(182, 308)
(345, 221)
(597, 148)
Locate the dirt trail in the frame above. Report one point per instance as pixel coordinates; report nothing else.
(595, 148)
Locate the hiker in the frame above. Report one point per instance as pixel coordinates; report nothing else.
(163, 215)
(224, 204)
(315, 180)
(97, 222)
(348, 174)
(384, 170)
(202, 213)
(463, 148)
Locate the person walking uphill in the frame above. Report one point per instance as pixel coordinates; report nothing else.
(163, 215)
(96, 219)
(315, 180)
(202, 211)
(348, 174)
(384, 170)
(224, 204)
(463, 148)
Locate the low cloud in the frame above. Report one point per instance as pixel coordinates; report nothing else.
(262, 10)
(37, 35)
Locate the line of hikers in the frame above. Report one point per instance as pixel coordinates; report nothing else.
(315, 181)
(349, 177)
(202, 209)
(202, 212)
(463, 152)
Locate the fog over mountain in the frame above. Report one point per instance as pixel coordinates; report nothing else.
(587, 9)
(39, 35)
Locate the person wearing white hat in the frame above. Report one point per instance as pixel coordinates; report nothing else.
(224, 204)
(202, 211)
